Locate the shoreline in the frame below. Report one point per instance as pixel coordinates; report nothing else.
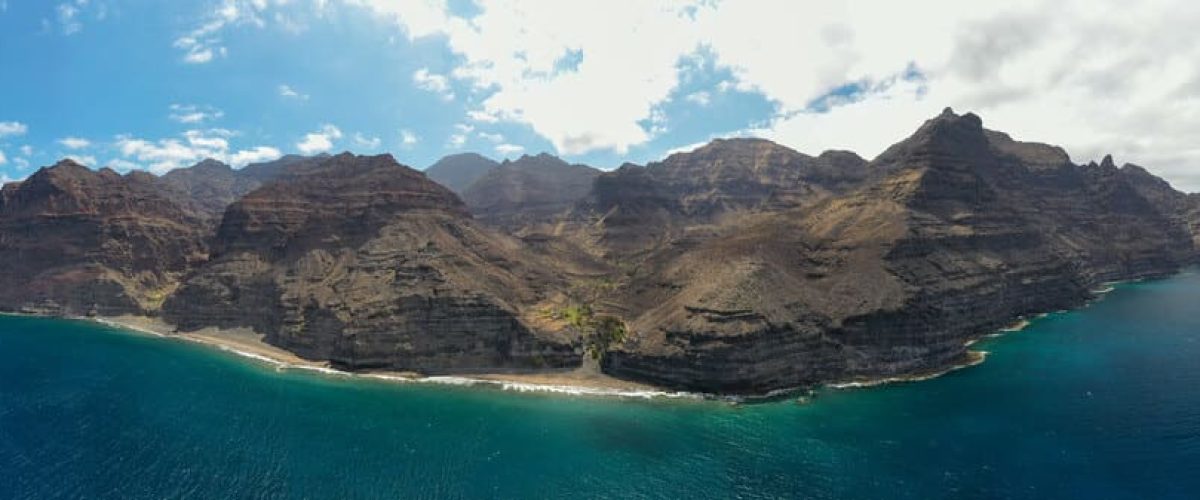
(582, 381)
(247, 344)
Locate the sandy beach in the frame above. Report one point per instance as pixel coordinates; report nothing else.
(586, 380)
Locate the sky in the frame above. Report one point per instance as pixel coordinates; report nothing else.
(155, 85)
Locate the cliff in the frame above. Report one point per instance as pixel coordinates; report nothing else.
(956, 232)
(369, 264)
(78, 241)
(740, 267)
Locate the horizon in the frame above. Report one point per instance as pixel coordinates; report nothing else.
(147, 86)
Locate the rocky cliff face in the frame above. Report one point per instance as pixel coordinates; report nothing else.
(740, 267)
(638, 208)
(529, 190)
(459, 171)
(78, 241)
(956, 232)
(370, 265)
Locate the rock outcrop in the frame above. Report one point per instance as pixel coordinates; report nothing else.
(369, 264)
(77, 241)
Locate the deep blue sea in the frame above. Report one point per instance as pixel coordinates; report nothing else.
(1098, 403)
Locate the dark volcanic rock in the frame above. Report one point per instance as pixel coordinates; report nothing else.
(210, 185)
(528, 190)
(459, 171)
(740, 267)
(369, 264)
(958, 232)
(78, 241)
(639, 207)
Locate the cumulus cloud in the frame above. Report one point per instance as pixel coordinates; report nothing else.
(191, 147)
(1094, 76)
(74, 142)
(3, 159)
(203, 43)
(68, 16)
(433, 82)
(320, 141)
(509, 149)
(85, 160)
(192, 114)
(286, 91)
(408, 139)
(367, 142)
(13, 129)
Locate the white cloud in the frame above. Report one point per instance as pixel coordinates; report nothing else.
(320, 141)
(1094, 76)
(700, 98)
(496, 138)
(192, 114)
(121, 165)
(13, 129)
(68, 17)
(367, 142)
(85, 160)
(254, 155)
(509, 149)
(27, 150)
(203, 43)
(3, 159)
(433, 82)
(408, 139)
(191, 147)
(456, 141)
(74, 142)
(288, 92)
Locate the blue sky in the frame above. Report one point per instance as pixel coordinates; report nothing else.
(113, 72)
(156, 85)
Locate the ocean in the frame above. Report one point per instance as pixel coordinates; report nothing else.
(1097, 403)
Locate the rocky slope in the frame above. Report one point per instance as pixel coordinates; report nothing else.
(641, 207)
(77, 241)
(529, 190)
(740, 267)
(369, 264)
(459, 171)
(957, 231)
(210, 186)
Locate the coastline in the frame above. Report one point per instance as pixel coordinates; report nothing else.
(248, 344)
(584, 381)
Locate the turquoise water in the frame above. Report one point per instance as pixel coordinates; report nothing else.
(1103, 402)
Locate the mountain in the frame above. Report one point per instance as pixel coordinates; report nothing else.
(956, 232)
(74, 240)
(210, 186)
(369, 264)
(459, 171)
(530, 189)
(638, 207)
(742, 266)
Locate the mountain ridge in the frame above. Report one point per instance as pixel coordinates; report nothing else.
(742, 266)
